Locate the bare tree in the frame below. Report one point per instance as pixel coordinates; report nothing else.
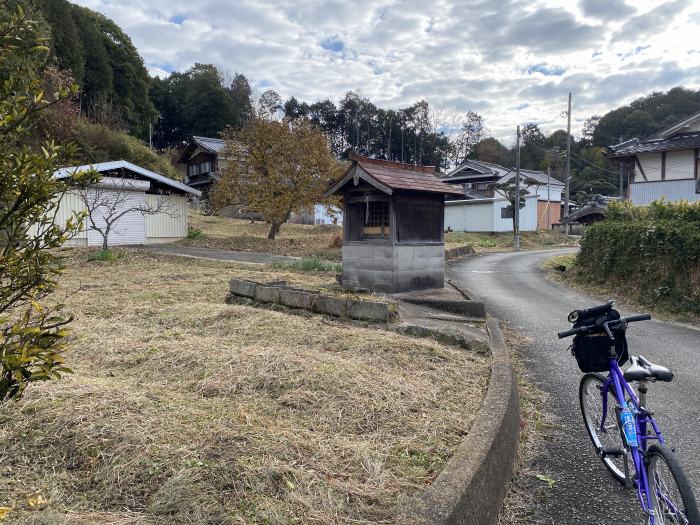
(110, 199)
(469, 136)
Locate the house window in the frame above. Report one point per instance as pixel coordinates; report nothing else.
(376, 222)
(192, 169)
(204, 167)
(507, 212)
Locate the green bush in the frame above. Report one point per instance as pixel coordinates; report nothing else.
(195, 233)
(98, 143)
(652, 252)
(104, 256)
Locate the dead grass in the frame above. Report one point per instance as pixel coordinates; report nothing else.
(562, 269)
(299, 240)
(499, 242)
(186, 410)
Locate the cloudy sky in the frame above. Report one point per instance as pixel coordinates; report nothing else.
(511, 61)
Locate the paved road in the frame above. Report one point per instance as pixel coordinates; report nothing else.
(515, 289)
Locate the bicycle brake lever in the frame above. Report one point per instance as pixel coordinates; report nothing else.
(608, 331)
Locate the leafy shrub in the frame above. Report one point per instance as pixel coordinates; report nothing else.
(651, 251)
(104, 256)
(98, 143)
(195, 233)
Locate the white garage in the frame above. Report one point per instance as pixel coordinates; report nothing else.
(128, 205)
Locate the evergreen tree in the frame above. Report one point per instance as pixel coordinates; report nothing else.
(65, 37)
(242, 100)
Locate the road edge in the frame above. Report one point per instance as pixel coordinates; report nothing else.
(472, 485)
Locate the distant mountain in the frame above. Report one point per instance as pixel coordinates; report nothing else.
(103, 61)
(646, 115)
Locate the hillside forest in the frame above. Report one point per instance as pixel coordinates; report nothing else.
(120, 106)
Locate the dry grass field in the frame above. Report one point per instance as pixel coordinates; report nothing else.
(186, 410)
(500, 242)
(299, 240)
(323, 242)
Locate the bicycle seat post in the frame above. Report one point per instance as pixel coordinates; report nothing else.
(642, 389)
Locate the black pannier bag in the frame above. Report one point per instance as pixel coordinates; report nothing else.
(591, 350)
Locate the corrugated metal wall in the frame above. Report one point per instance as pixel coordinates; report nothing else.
(474, 217)
(129, 228)
(165, 225)
(71, 203)
(485, 216)
(673, 190)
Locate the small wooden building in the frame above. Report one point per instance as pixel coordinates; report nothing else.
(393, 226)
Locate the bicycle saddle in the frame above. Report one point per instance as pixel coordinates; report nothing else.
(641, 369)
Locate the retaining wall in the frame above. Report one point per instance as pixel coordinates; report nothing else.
(280, 293)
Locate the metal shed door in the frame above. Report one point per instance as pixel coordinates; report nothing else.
(129, 229)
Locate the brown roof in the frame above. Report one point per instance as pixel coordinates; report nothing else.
(400, 176)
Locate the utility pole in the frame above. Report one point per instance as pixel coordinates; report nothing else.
(622, 176)
(568, 159)
(150, 135)
(516, 204)
(549, 185)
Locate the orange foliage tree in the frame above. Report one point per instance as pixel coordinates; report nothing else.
(276, 168)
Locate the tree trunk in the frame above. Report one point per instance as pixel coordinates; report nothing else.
(105, 247)
(274, 230)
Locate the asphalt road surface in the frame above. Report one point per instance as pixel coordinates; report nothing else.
(516, 290)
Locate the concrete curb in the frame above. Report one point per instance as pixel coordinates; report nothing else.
(463, 307)
(471, 487)
(460, 251)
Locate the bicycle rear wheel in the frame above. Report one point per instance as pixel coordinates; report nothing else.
(671, 494)
(604, 434)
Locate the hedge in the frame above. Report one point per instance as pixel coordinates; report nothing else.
(652, 252)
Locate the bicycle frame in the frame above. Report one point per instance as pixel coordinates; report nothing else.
(616, 383)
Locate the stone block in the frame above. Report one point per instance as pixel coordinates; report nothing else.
(365, 251)
(384, 252)
(242, 288)
(267, 294)
(369, 311)
(405, 263)
(436, 263)
(296, 299)
(384, 276)
(325, 304)
(349, 251)
(404, 252)
(420, 263)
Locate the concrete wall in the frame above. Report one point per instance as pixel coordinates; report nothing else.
(390, 269)
(672, 190)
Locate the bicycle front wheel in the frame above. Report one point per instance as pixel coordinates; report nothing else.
(671, 494)
(604, 433)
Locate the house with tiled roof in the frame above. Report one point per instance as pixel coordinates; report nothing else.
(663, 165)
(203, 159)
(487, 206)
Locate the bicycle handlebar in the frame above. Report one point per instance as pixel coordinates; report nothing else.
(605, 326)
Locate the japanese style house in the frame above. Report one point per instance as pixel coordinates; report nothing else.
(203, 159)
(666, 164)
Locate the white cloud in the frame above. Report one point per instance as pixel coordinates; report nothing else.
(512, 61)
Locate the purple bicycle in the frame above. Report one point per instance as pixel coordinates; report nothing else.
(625, 435)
